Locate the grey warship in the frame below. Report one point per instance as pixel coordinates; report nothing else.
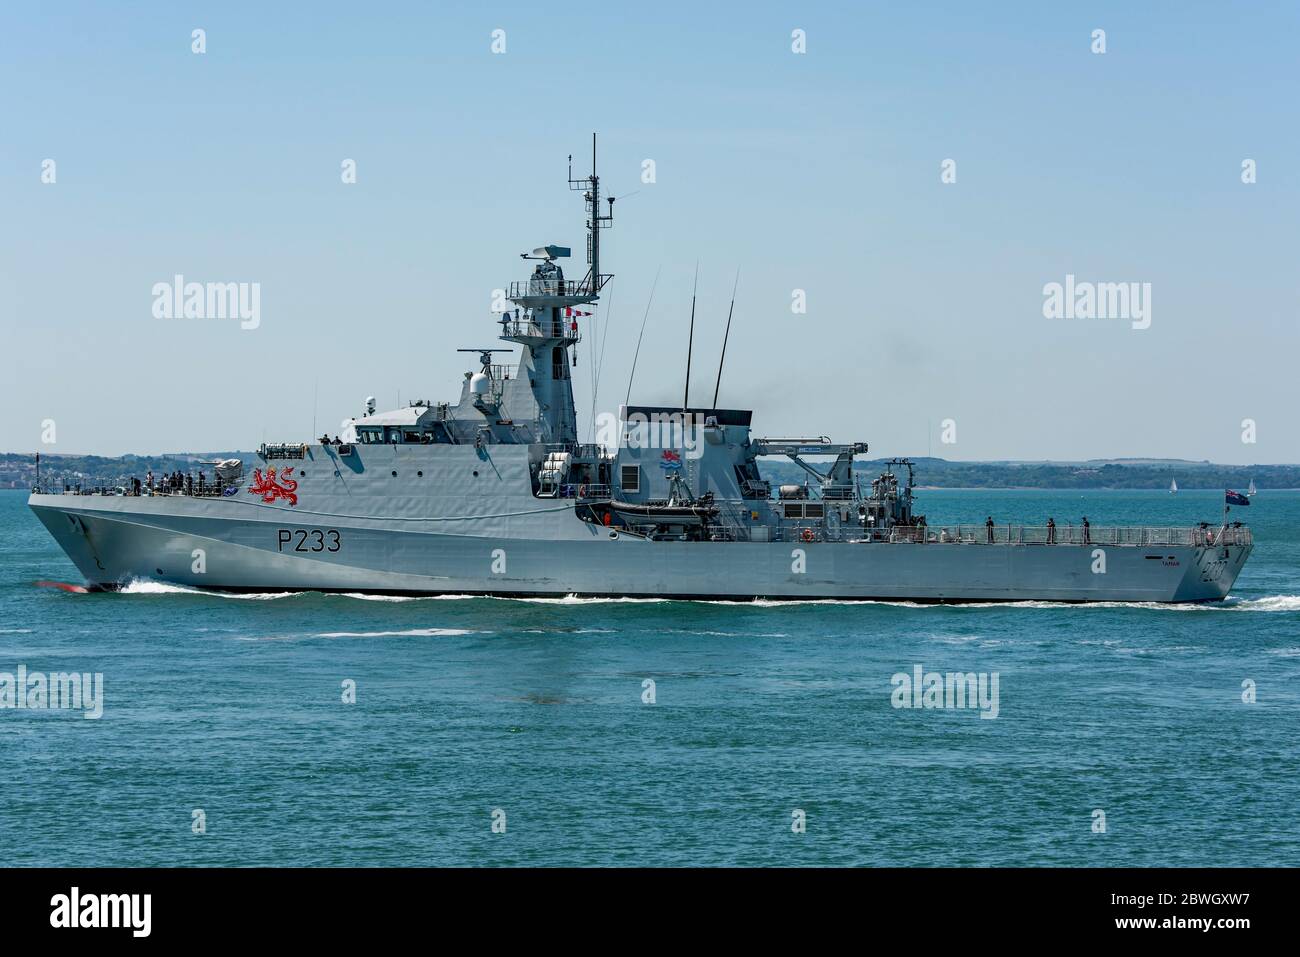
(494, 494)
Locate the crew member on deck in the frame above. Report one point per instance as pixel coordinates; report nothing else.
(989, 525)
(1051, 530)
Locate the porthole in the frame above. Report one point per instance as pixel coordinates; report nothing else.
(476, 473)
(336, 473)
(419, 474)
(394, 474)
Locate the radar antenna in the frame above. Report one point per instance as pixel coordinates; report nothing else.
(485, 357)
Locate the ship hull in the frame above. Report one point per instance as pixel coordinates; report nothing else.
(232, 545)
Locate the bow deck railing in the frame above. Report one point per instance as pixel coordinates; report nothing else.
(209, 489)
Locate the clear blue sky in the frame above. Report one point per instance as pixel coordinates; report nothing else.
(817, 171)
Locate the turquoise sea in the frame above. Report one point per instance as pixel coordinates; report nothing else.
(232, 707)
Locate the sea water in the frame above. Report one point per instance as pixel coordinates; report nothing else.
(314, 729)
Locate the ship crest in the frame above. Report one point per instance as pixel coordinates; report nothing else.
(273, 490)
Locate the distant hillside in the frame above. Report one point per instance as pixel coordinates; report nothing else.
(18, 470)
(1110, 473)
(1133, 474)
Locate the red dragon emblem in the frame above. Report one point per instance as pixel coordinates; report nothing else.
(270, 490)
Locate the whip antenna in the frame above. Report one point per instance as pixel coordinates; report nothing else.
(632, 374)
(725, 336)
(690, 342)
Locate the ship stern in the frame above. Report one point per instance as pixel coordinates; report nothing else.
(1213, 571)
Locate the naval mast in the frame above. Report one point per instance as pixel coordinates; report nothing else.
(542, 322)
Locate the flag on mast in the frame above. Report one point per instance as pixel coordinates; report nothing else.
(1235, 498)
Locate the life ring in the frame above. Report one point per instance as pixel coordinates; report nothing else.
(807, 535)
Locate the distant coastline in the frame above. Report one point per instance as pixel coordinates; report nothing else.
(18, 471)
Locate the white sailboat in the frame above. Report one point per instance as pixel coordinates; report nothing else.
(1251, 490)
(1173, 486)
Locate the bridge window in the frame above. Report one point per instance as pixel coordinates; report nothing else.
(630, 478)
(814, 510)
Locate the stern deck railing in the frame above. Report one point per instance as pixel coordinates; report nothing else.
(1112, 536)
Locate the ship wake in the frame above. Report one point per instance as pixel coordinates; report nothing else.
(1264, 603)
